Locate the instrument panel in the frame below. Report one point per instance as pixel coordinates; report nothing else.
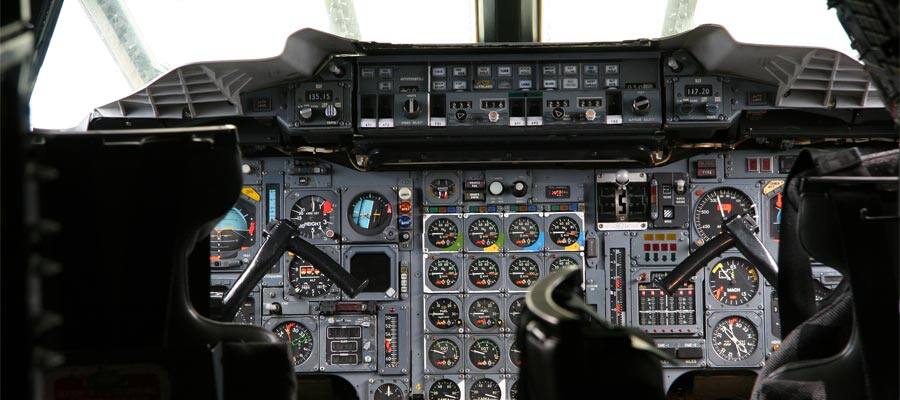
(451, 254)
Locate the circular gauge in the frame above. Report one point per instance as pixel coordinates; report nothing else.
(564, 231)
(734, 338)
(442, 233)
(388, 391)
(733, 281)
(370, 213)
(247, 313)
(314, 216)
(442, 189)
(483, 232)
(443, 313)
(515, 310)
(524, 272)
(484, 273)
(515, 354)
(444, 389)
(484, 313)
(484, 354)
(443, 273)
(443, 354)
(307, 281)
(514, 391)
(235, 231)
(298, 337)
(485, 389)
(717, 205)
(524, 232)
(564, 261)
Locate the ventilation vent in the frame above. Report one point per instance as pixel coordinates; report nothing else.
(822, 79)
(193, 91)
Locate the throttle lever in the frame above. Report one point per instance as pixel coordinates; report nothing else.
(739, 231)
(284, 235)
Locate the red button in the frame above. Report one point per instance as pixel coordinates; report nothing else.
(766, 164)
(655, 246)
(646, 246)
(752, 165)
(405, 207)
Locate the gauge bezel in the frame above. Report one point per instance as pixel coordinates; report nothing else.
(460, 261)
(498, 219)
(431, 176)
(428, 247)
(508, 341)
(227, 281)
(538, 245)
(458, 379)
(509, 300)
(471, 379)
(334, 293)
(501, 281)
(292, 196)
(512, 380)
(349, 232)
(713, 304)
(313, 362)
(551, 257)
(469, 300)
(460, 366)
(748, 190)
(756, 358)
(368, 330)
(244, 255)
(428, 298)
(552, 246)
(501, 364)
(391, 251)
(508, 262)
(376, 383)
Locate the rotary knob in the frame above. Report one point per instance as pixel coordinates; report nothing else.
(495, 188)
(711, 108)
(519, 189)
(331, 112)
(305, 113)
(411, 108)
(640, 105)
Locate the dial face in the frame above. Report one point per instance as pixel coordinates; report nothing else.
(443, 313)
(524, 232)
(443, 273)
(314, 215)
(444, 389)
(484, 354)
(564, 261)
(733, 281)
(524, 272)
(484, 273)
(515, 354)
(235, 231)
(734, 338)
(442, 233)
(564, 231)
(388, 391)
(443, 354)
(307, 281)
(484, 313)
(514, 391)
(370, 213)
(515, 310)
(442, 189)
(485, 389)
(483, 232)
(299, 338)
(717, 205)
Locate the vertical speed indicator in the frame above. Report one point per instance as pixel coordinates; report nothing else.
(716, 206)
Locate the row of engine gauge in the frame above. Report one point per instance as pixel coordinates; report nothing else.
(511, 232)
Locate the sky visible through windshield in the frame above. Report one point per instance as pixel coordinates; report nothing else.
(79, 72)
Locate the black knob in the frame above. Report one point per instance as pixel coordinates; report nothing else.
(461, 115)
(411, 108)
(558, 113)
(519, 189)
(711, 108)
(331, 112)
(640, 105)
(686, 107)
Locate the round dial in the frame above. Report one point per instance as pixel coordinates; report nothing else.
(515, 354)
(443, 354)
(307, 281)
(388, 391)
(484, 273)
(515, 310)
(442, 189)
(717, 205)
(484, 313)
(524, 232)
(443, 313)
(299, 338)
(564, 261)
(564, 231)
(370, 213)
(444, 389)
(314, 215)
(524, 272)
(733, 281)
(484, 354)
(734, 338)
(442, 233)
(514, 391)
(485, 389)
(443, 273)
(483, 232)
(235, 231)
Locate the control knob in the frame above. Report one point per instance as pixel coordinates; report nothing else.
(590, 114)
(411, 108)
(711, 108)
(331, 112)
(640, 105)
(493, 116)
(519, 189)
(305, 113)
(686, 107)
(495, 188)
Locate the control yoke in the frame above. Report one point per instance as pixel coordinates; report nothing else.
(739, 231)
(283, 235)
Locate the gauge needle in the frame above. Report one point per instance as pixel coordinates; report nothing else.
(478, 352)
(436, 351)
(721, 209)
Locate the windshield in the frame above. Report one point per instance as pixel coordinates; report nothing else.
(103, 50)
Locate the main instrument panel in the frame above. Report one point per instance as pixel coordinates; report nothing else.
(450, 255)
